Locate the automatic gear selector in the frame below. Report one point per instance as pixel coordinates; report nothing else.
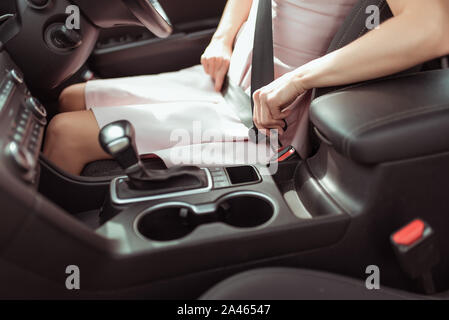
(118, 140)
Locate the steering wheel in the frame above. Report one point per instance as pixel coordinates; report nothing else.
(151, 14)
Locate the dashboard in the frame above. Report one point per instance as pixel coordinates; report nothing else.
(22, 122)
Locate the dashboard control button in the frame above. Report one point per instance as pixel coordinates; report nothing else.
(220, 184)
(17, 138)
(16, 76)
(37, 108)
(33, 140)
(24, 116)
(20, 158)
(20, 130)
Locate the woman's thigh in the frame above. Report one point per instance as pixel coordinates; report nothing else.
(73, 98)
(187, 85)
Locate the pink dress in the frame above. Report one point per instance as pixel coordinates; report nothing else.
(179, 117)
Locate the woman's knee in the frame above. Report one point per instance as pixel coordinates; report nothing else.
(72, 141)
(74, 132)
(73, 98)
(61, 129)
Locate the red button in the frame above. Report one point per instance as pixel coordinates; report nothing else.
(410, 233)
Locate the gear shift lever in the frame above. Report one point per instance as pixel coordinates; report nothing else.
(118, 140)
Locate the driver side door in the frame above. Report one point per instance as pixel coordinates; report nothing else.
(131, 51)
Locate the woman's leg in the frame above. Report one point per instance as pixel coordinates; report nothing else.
(73, 98)
(72, 141)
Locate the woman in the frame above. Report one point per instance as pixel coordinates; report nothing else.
(189, 100)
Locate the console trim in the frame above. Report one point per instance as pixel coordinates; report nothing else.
(116, 200)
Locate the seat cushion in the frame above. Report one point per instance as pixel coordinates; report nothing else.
(297, 284)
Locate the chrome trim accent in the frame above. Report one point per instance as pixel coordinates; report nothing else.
(115, 199)
(18, 78)
(118, 145)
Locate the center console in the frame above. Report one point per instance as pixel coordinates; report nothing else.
(169, 211)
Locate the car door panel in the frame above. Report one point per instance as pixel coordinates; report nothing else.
(129, 51)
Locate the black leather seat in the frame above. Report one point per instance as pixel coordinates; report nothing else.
(298, 284)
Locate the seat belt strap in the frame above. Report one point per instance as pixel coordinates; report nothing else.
(239, 101)
(262, 70)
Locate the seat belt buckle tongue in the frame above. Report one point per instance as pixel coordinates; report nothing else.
(415, 246)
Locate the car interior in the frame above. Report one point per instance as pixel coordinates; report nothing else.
(374, 191)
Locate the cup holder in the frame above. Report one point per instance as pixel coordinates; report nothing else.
(175, 221)
(165, 224)
(245, 211)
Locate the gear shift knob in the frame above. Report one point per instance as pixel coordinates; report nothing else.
(118, 140)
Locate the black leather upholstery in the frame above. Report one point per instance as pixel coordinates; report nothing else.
(297, 284)
(387, 120)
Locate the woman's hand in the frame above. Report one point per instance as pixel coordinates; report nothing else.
(215, 60)
(271, 100)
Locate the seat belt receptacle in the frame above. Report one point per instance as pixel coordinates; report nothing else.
(415, 246)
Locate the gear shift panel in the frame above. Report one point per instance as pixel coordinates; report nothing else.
(118, 140)
(143, 184)
(122, 194)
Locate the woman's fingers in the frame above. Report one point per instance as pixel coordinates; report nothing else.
(220, 75)
(206, 62)
(262, 116)
(267, 119)
(273, 99)
(216, 60)
(256, 116)
(285, 114)
(217, 68)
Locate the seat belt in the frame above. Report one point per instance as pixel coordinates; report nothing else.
(237, 99)
(262, 70)
(262, 74)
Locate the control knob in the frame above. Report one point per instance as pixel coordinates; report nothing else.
(16, 76)
(37, 108)
(20, 159)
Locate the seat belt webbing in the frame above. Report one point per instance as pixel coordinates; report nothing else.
(262, 69)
